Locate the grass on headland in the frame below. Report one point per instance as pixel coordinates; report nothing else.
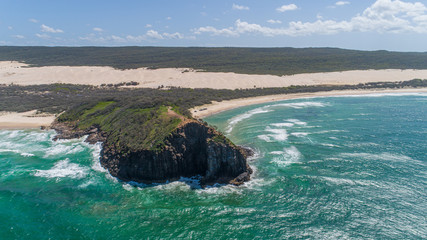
(136, 119)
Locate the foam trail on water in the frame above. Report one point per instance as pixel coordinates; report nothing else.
(277, 134)
(235, 120)
(300, 105)
(62, 169)
(299, 134)
(62, 149)
(282, 124)
(287, 156)
(296, 122)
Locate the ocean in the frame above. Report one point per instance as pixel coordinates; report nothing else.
(349, 167)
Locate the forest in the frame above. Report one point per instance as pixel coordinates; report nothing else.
(274, 61)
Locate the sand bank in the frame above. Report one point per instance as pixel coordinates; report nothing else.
(21, 74)
(217, 107)
(14, 120)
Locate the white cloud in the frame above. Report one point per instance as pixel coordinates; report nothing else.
(117, 38)
(173, 35)
(50, 30)
(274, 21)
(10, 27)
(18, 36)
(33, 20)
(97, 29)
(289, 7)
(223, 32)
(148, 25)
(154, 34)
(384, 16)
(342, 3)
(169, 18)
(240, 7)
(43, 36)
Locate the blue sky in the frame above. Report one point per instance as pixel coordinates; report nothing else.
(397, 25)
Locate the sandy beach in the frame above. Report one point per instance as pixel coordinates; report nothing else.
(217, 107)
(21, 74)
(14, 120)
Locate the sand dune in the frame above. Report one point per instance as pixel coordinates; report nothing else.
(19, 73)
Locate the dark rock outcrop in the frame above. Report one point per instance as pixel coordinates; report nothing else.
(192, 149)
(67, 131)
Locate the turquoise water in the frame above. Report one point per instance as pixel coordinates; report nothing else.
(325, 168)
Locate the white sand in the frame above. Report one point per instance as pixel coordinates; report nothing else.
(216, 107)
(14, 120)
(21, 74)
(18, 73)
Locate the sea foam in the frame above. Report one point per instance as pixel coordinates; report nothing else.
(287, 156)
(235, 120)
(63, 169)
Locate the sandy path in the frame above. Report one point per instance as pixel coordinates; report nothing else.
(18, 73)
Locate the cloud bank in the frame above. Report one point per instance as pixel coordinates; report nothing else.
(384, 16)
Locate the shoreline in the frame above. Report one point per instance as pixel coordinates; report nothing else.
(25, 120)
(31, 120)
(218, 107)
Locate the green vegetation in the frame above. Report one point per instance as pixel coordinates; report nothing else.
(137, 118)
(128, 128)
(275, 61)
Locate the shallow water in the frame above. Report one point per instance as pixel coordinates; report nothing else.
(326, 168)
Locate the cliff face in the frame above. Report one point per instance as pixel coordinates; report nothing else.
(192, 149)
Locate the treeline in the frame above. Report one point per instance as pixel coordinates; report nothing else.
(275, 61)
(137, 119)
(56, 98)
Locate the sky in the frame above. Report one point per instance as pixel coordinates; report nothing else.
(394, 25)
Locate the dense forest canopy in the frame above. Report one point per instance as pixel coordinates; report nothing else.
(275, 61)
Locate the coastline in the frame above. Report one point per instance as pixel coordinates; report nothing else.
(217, 107)
(25, 120)
(31, 120)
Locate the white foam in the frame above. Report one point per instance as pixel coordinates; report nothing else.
(296, 121)
(14, 133)
(88, 183)
(37, 136)
(235, 120)
(63, 169)
(288, 156)
(62, 149)
(96, 153)
(299, 134)
(282, 124)
(27, 154)
(277, 134)
(265, 138)
(384, 94)
(9, 150)
(381, 156)
(277, 152)
(343, 181)
(300, 105)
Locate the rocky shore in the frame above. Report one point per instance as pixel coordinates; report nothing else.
(192, 149)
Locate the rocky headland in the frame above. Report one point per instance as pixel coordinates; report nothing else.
(192, 149)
